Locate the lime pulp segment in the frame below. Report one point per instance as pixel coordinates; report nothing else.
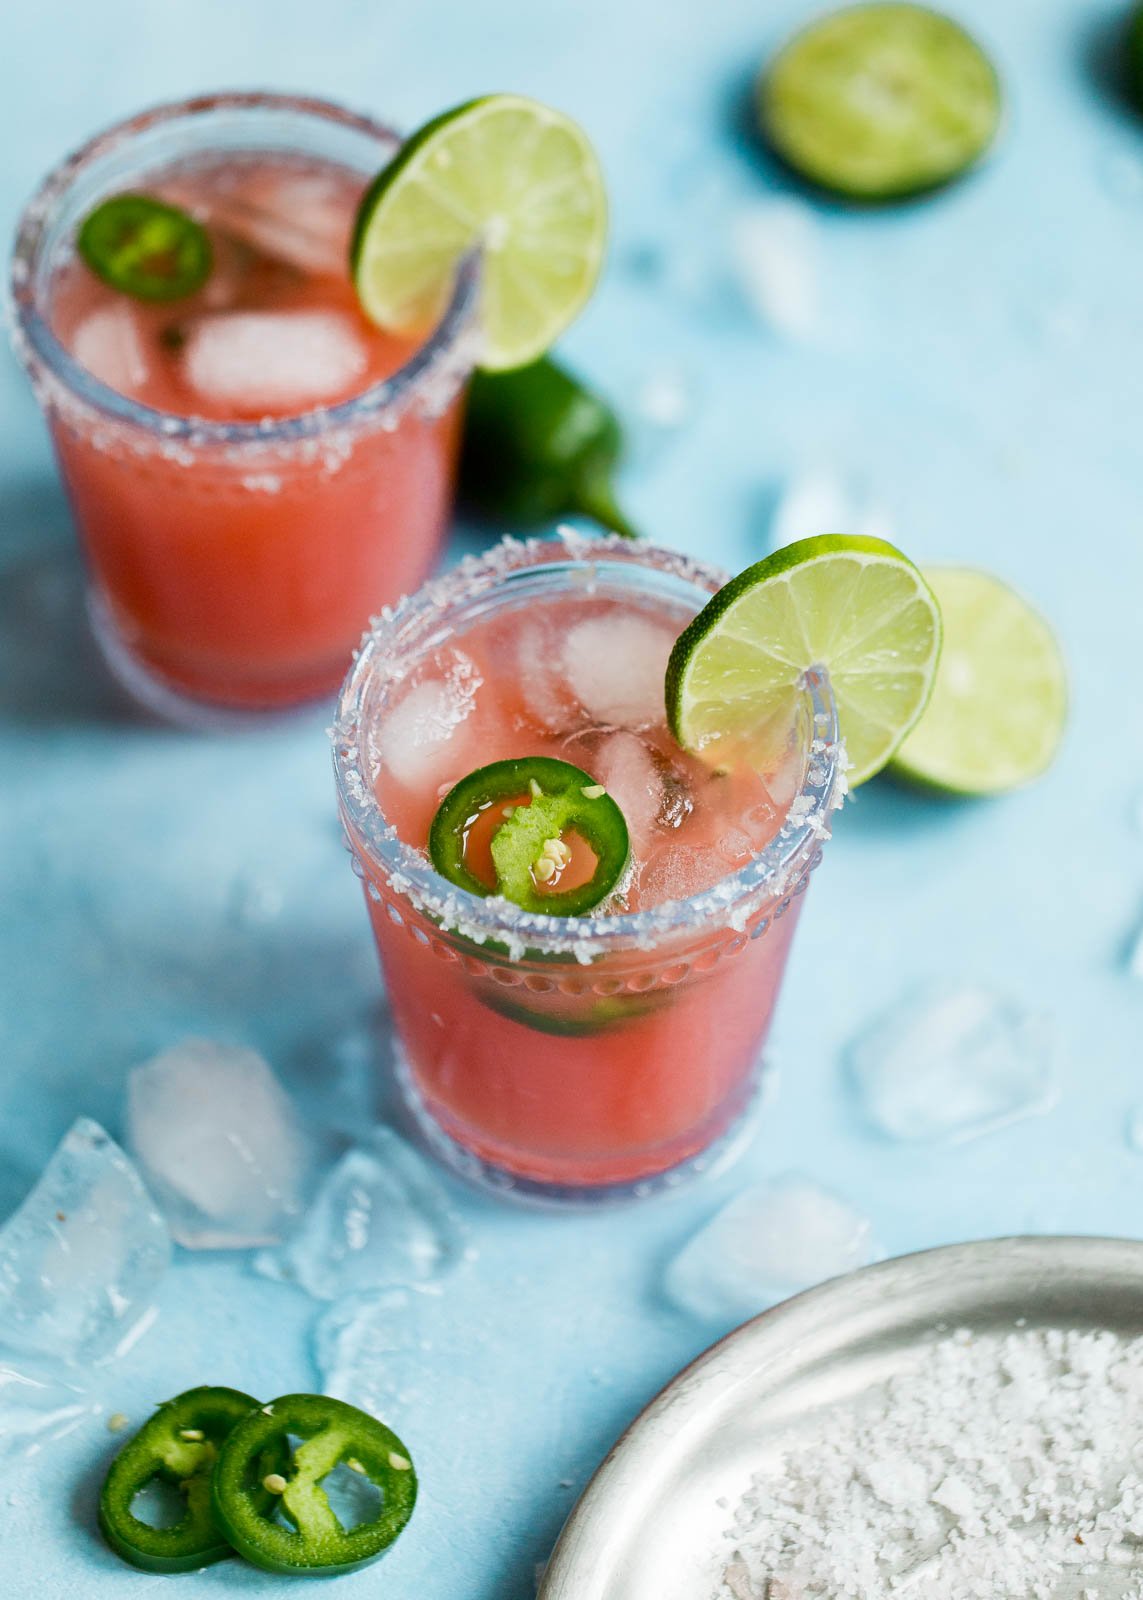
(999, 703)
(879, 101)
(504, 174)
(855, 606)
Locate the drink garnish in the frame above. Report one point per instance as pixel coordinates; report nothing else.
(144, 248)
(178, 1446)
(880, 101)
(855, 606)
(512, 828)
(999, 703)
(282, 1520)
(539, 445)
(502, 174)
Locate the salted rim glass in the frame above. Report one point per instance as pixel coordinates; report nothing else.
(245, 123)
(399, 640)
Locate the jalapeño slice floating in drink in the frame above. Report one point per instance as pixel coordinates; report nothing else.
(540, 832)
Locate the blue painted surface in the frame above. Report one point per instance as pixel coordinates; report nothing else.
(979, 364)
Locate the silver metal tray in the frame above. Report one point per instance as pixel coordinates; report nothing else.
(649, 1527)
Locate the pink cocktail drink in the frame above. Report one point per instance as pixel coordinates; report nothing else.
(254, 468)
(598, 1052)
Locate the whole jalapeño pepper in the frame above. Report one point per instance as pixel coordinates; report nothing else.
(539, 445)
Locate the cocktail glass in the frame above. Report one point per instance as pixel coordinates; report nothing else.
(569, 1058)
(233, 564)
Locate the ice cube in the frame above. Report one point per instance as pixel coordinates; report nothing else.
(954, 1063)
(109, 344)
(368, 1350)
(81, 1258)
(379, 1219)
(772, 1240)
(547, 699)
(626, 768)
(416, 736)
(35, 1410)
(826, 502)
(220, 1144)
(775, 256)
(615, 666)
(679, 871)
(257, 361)
(299, 218)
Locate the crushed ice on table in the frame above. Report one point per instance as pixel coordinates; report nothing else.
(775, 255)
(220, 1144)
(273, 360)
(954, 1063)
(379, 1219)
(615, 665)
(81, 1258)
(36, 1409)
(371, 1350)
(108, 343)
(772, 1240)
(417, 734)
(822, 501)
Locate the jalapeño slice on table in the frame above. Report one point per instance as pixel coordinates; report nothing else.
(312, 1540)
(177, 1447)
(539, 831)
(144, 248)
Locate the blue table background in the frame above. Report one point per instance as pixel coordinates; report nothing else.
(978, 364)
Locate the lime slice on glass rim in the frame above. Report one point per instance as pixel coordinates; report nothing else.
(855, 606)
(502, 173)
(999, 702)
(880, 101)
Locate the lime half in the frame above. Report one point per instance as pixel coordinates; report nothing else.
(879, 101)
(505, 174)
(999, 704)
(855, 606)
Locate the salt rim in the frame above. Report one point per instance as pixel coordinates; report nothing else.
(432, 375)
(731, 902)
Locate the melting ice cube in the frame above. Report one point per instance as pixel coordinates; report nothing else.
(108, 343)
(257, 361)
(627, 770)
(826, 502)
(772, 1240)
(775, 255)
(547, 699)
(34, 1410)
(616, 664)
(220, 1144)
(416, 737)
(379, 1219)
(81, 1258)
(679, 871)
(954, 1063)
(299, 218)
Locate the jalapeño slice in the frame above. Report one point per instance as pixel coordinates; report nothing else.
(144, 248)
(552, 821)
(311, 1540)
(178, 1447)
